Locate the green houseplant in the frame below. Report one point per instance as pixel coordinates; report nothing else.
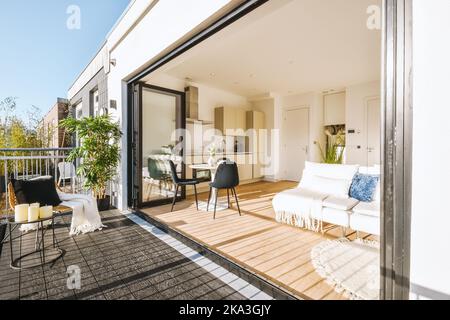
(98, 152)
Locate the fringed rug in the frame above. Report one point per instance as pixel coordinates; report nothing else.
(351, 267)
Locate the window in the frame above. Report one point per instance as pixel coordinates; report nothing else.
(78, 115)
(95, 103)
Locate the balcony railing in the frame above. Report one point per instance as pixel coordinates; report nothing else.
(28, 164)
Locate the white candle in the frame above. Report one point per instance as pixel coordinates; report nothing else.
(21, 212)
(45, 212)
(33, 213)
(35, 205)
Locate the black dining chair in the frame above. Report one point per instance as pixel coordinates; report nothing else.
(181, 182)
(227, 177)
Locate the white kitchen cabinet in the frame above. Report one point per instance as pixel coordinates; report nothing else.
(230, 121)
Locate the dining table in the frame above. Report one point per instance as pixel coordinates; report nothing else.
(203, 205)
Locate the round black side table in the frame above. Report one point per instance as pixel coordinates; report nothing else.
(39, 247)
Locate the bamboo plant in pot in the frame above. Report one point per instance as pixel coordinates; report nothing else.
(98, 152)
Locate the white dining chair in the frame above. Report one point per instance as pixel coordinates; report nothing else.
(67, 171)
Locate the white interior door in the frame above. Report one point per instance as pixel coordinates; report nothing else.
(296, 124)
(373, 132)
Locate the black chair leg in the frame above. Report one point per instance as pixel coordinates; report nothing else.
(228, 196)
(196, 199)
(215, 203)
(174, 198)
(209, 199)
(237, 202)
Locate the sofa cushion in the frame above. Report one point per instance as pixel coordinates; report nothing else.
(365, 223)
(363, 187)
(334, 187)
(296, 200)
(340, 203)
(334, 216)
(368, 208)
(331, 171)
(375, 170)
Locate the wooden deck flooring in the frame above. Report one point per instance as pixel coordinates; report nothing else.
(277, 252)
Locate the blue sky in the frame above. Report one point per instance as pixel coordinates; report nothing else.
(39, 56)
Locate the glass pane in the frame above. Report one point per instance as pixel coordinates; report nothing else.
(158, 141)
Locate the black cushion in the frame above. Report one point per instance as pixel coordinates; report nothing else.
(36, 191)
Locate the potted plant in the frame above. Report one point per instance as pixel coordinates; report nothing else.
(334, 150)
(3, 227)
(98, 152)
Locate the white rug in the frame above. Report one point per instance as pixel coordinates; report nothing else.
(351, 267)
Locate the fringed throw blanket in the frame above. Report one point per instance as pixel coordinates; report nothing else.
(299, 207)
(85, 217)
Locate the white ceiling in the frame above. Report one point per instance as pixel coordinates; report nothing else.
(287, 47)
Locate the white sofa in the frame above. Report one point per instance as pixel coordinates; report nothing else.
(323, 196)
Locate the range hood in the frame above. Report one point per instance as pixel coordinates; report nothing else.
(192, 107)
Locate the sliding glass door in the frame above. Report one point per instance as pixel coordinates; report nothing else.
(158, 126)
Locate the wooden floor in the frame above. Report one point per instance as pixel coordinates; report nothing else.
(277, 252)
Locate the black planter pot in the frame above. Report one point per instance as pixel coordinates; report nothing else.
(3, 227)
(104, 204)
(2, 184)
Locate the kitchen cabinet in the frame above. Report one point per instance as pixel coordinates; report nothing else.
(256, 141)
(334, 109)
(230, 121)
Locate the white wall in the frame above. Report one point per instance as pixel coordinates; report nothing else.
(356, 119)
(430, 236)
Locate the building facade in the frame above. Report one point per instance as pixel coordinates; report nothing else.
(52, 134)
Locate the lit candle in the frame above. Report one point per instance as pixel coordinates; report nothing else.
(21, 212)
(33, 213)
(45, 212)
(35, 205)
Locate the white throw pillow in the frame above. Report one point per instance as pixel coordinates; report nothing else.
(334, 187)
(331, 171)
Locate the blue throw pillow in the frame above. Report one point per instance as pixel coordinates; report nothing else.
(363, 187)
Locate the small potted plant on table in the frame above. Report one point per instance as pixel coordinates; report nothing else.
(98, 152)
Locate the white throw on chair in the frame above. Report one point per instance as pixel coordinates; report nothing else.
(67, 171)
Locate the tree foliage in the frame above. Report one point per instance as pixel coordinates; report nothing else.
(98, 150)
(14, 131)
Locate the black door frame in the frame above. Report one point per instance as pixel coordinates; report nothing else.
(137, 142)
(396, 135)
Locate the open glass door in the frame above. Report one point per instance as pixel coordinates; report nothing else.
(158, 126)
